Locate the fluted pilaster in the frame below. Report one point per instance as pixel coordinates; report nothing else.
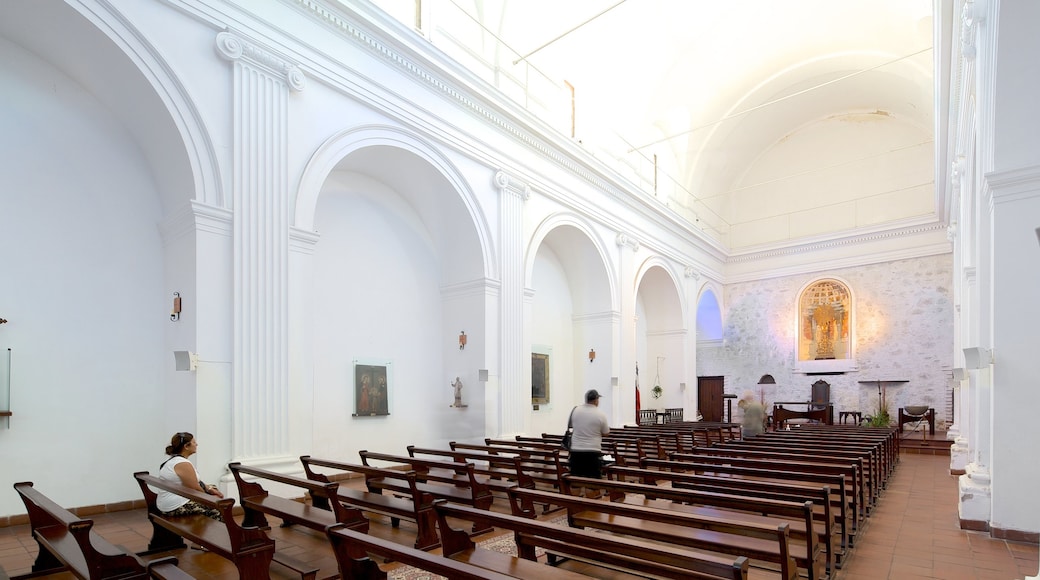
(260, 198)
(513, 401)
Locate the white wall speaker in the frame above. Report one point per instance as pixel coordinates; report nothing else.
(482, 375)
(959, 374)
(185, 360)
(977, 357)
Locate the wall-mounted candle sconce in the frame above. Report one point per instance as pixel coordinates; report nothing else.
(3, 321)
(592, 354)
(462, 340)
(175, 314)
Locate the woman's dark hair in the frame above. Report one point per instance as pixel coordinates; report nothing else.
(177, 442)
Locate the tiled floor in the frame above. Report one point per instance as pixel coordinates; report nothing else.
(912, 534)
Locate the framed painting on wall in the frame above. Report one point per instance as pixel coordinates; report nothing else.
(539, 378)
(371, 388)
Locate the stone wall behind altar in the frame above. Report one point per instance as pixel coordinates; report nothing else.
(903, 327)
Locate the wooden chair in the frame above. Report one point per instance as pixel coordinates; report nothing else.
(647, 417)
(674, 415)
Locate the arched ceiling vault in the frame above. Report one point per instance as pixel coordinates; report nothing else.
(723, 96)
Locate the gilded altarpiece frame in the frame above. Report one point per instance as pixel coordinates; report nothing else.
(825, 324)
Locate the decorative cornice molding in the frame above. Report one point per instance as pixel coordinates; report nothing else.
(679, 332)
(472, 288)
(607, 317)
(1015, 184)
(302, 241)
(194, 217)
(623, 240)
(508, 184)
(836, 242)
(691, 272)
(232, 47)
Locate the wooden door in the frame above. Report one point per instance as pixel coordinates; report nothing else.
(709, 397)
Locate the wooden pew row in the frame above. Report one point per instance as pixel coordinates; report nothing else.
(887, 439)
(864, 457)
(796, 456)
(847, 500)
(463, 484)
(828, 507)
(542, 465)
(847, 470)
(256, 502)
(68, 543)
(811, 541)
(497, 472)
(758, 542)
(601, 550)
(352, 551)
(249, 549)
(416, 506)
(448, 480)
(877, 449)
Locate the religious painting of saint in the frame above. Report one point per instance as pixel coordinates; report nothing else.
(371, 390)
(539, 379)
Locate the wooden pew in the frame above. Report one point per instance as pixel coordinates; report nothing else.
(68, 543)
(248, 548)
(810, 541)
(463, 486)
(817, 451)
(827, 506)
(256, 502)
(416, 506)
(838, 482)
(758, 542)
(602, 550)
(542, 465)
(498, 472)
(849, 470)
(352, 549)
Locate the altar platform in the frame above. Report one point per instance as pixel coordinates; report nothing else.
(921, 442)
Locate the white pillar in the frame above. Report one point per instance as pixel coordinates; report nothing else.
(625, 413)
(514, 348)
(260, 201)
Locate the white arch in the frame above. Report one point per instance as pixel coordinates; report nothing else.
(557, 220)
(716, 291)
(342, 144)
(659, 262)
(198, 146)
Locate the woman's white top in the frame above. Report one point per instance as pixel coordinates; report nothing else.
(168, 501)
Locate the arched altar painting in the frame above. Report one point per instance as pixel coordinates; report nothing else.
(824, 309)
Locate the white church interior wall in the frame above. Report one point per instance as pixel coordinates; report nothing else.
(86, 334)
(376, 298)
(552, 313)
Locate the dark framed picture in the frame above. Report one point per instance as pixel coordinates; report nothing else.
(371, 388)
(539, 378)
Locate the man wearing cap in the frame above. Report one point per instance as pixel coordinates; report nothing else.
(590, 425)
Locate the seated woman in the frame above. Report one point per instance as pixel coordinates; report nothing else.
(177, 469)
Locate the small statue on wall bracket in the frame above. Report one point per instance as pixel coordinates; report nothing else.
(457, 385)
